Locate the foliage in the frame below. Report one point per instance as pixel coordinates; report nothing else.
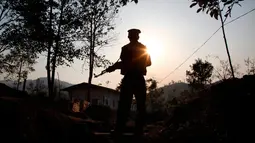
(53, 26)
(20, 56)
(223, 71)
(213, 117)
(124, 2)
(51, 23)
(7, 15)
(250, 65)
(200, 74)
(96, 23)
(37, 89)
(213, 6)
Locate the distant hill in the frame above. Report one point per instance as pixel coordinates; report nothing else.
(173, 90)
(42, 81)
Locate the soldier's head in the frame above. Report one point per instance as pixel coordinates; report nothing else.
(133, 34)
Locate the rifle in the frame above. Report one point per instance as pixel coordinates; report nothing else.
(104, 71)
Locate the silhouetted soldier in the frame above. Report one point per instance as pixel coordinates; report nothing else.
(134, 60)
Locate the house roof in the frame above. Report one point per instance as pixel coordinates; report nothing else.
(85, 85)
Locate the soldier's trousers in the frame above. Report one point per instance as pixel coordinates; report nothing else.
(132, 84)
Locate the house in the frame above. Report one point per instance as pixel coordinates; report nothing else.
(99, 95)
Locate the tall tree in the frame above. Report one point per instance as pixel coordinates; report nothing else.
(200, 74)
(97, 23)
(21, 55)
(53, 23)
(216, 8)
(66, 25)
(7, 17)
(22, 64)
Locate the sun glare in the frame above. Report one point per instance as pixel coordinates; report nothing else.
(154, 48)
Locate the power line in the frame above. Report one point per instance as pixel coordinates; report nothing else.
(204, 44)
(191, 55)
(239, 16)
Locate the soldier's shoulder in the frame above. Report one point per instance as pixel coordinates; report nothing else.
(141, 45)
(125, 46)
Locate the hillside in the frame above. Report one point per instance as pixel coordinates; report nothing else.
(42, 81)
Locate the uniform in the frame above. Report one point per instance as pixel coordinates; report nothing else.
(134, 60)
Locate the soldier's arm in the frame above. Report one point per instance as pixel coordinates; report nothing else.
(117, 65)
(148, 58)
(148, 63)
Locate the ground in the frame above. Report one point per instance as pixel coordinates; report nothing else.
(216, 115)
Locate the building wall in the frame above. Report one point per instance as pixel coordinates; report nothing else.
(98, 96)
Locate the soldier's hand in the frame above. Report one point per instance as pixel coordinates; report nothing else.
(110, 69)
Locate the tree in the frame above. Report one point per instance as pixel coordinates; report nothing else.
(22, 64)
(215, 8)
(97, 23)
(7, 16)
(200, 74)
(38, 89)
(250, 65)
(223, 71)
(20, 55)
(52, 23)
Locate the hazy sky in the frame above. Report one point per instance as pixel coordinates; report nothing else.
(176, 31)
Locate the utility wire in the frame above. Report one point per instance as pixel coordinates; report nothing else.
(205, 43)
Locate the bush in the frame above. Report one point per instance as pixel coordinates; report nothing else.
(215, 116)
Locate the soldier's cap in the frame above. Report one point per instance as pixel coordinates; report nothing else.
(134, 31)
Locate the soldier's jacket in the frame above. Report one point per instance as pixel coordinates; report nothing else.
(134, 58)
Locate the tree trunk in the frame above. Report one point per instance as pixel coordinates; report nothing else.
(90, 76)
(53, 73)
(24, 84)
(19, 74)
(56, 52)
(50, 41)
(91, 57)
(58, 86)
(226, 44)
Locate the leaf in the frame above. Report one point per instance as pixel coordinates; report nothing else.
(216, 15)
(193, 4)
(211, 13)
(199, 10)
(207, 11)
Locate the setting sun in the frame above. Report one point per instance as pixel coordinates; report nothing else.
(154, 48)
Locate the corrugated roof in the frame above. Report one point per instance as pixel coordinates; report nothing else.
(86, 85)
